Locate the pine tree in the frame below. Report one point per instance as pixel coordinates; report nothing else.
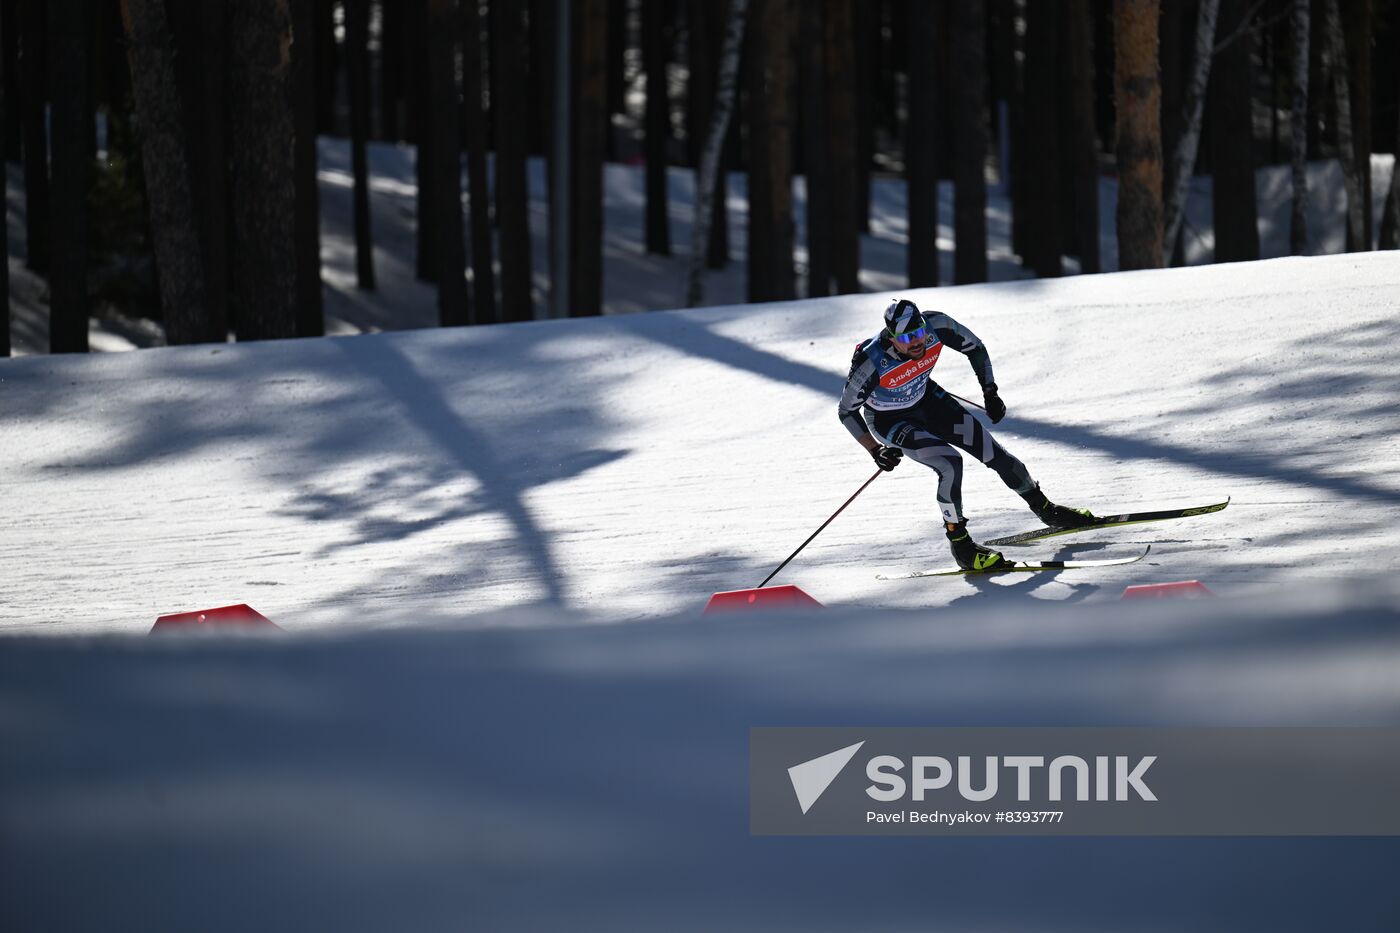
(970, 143)
(1138, 95)
(590, 127)
(770, 76)
(1083, 140)
(478, 141)
(512, 141)
(33, 74)
(1042, 252)
(71, 133)
(310, 316)
(1230, 111)
(263, 186)
(357, 68)
(657, 122)
(169, 191)
(1298, 215)
(443, 164)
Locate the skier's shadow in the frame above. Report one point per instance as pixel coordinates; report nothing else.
(1020, 587)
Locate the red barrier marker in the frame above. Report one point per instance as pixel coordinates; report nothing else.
(237, 616)
(768, 597)
(1187, 588)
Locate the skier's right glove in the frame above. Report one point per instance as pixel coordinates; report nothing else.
(887, 458)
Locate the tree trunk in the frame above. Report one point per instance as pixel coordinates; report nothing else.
(705, 27)
(6, 144)
(9, 75)
(169, 193)
(1138, 94)
(542, 36)
(419, 128)
(589, 147)
(841, 136)
(658, 126)
(1232, 139)
(920, 155)
(478, 141)
(1043, 60)
(1174, 37)
(863, 32)
(1390, 217)
(263, 181)
(443, 157)
(71, 128)
(33, 72)
(969, 128)
(1007, 114)
(714, 141)
(770, 269)
(815, 151)
(1298, 139)
(310, 316)
(209, 168)
(1346, 149)
(512, 143)
(357, 68)
(321, 26)
(617, 70)
(1358, 41)
(1083, 139)
(392, 15)
(1193, 109)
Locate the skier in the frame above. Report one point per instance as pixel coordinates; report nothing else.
(891, 377)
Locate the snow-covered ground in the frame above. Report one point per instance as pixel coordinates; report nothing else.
(501, 760)
(633, 280)
(630, 465)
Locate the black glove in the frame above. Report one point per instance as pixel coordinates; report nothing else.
(887, 458)
(996, 408)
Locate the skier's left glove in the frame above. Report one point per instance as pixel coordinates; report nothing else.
(996, 408)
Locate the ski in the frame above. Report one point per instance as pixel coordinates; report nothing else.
(1014, 567)
(1107, 521)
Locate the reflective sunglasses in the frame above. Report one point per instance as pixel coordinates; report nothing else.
(907, 336)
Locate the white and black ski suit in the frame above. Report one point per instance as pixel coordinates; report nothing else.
(896, 399)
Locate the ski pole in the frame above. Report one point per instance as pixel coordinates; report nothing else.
(819, 530)
(967, 400)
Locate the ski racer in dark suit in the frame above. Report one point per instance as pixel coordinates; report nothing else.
(892, 406)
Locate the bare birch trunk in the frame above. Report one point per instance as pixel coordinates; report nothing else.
(1194, 108)
(1298, 226)
(709, 157)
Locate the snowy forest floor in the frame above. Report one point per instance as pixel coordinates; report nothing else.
(634, 280)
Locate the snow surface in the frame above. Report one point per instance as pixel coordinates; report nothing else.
(631, 465)
(447, 737)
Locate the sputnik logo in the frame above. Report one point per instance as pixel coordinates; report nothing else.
(811, 778)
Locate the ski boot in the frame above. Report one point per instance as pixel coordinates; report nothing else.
(1057, 516)
(969, 554)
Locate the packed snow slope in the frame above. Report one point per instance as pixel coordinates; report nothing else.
(629, 466)
(519, 770)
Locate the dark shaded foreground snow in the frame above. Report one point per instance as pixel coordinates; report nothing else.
(549, 777)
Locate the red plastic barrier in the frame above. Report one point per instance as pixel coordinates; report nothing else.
(1188, 588)
(769, 597)
(237, 616)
